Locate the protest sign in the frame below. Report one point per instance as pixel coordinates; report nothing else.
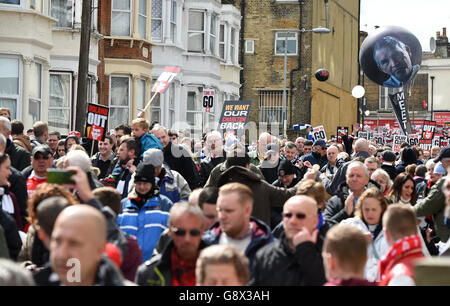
(318, 132)
(341, 131)
(398, 140)
(378, 138)
(208, 100)
(413, 139)
(437, 141)
(364, 135)
(234, 116)
(97, 121)
(426, 140)
(165, 78)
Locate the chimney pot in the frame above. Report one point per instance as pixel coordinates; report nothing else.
(438, 34)
(444, 32)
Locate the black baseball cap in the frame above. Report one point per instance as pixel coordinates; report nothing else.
(43, 149)
(445, 153)
(388, 156)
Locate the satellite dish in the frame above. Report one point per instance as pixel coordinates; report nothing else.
(432, 44)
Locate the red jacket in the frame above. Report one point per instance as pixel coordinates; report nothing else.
(401, 265)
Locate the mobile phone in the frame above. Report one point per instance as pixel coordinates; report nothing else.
(59, 176)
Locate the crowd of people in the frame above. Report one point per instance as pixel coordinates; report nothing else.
(150, 206)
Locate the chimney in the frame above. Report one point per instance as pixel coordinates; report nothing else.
(444, 32)
(438, 34)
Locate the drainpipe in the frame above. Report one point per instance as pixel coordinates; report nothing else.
(299, 62)
(242, 42)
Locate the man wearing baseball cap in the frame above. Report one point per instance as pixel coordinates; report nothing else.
(36, 174)
(434, 203)
(319, 154)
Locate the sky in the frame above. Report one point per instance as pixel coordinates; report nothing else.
(421, 17)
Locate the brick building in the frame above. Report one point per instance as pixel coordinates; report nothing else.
(265, 27)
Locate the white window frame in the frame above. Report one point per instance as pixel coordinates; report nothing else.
(171, 105)
(142, 91)
(173, 21)
(154, 108)
(223, 42)
(270, 104)
(71, 15)
(233, 45)
(18, 96)
(141, 15)
(197, 110)
(384, 102)
(69, 107)
(130, 12)
(160, 20)
(38, 5)
(282, 39)
(37, 99)
(213, 34)
(197, 31)
(249, 50)
(120, 106)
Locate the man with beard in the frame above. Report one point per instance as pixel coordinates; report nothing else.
(393, 57)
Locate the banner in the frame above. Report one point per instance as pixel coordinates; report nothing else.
(413, 139)
(165, 78)
(399, 105)
(208, 100)
(341, 131)
(318, 132)
(426, 140)
(234, 116)
(378, 138)
(444, 141)
(437, 141)
(398, 140)
(447, 129)
(97, 122)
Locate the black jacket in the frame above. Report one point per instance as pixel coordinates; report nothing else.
(206, 167)
(335, 208)
(270, 171)
(179, 159)
(19, 188)
(157, 270)
(107, 275)
(11, 234)
(278, 265)
(20, 158)
(391, 170)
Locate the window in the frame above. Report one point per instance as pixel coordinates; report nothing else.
(9, 84)
(233, 46)
(62, 10)
(173, 22)
(36, 5)
(194, 112)
(155, 108)
(141, 94)
(213, 34)
(196, 31)
(281, 38)
(91, 89)
(171, 105)
(222, 49)
(59, 112)
(35, 92)
(271, 105)
(119, 101)
(157, 27)
(249, 46)
(143, 18)
(121, 18)
(385, 103)
(14, 2)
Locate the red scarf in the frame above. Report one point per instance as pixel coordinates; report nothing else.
(183, 271)
(402, 247)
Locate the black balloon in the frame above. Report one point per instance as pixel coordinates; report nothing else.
(391, 56)
(322, 75)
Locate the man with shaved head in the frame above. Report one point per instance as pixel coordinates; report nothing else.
(77, 247)
(295, 259)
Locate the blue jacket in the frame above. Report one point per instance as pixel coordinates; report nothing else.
(261, 236)
(149, 141)
(146, 223)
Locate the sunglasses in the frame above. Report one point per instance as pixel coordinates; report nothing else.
(182, 232)
(299, 216)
